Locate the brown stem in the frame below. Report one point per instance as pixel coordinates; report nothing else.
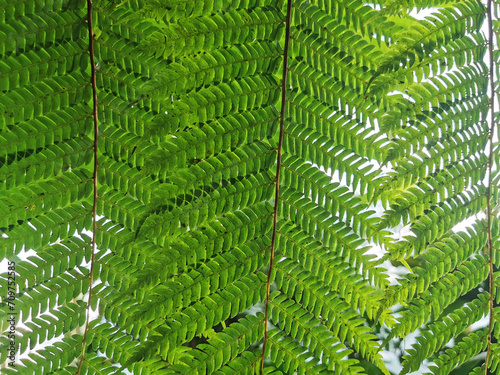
(94, 207)
(277, 182)
(488, 188)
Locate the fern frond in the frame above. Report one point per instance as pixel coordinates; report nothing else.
(419, 38)
(246, 363)
(335, 197)
(334, 124)
(459, 52)
(93, 364)
(322, 19)
(312, 334)
(440, 332)
(223, 347)
(199, 34)
(464, 350)
(293, 357)
(311, 145)
(180, 292)
(172, 10)
(436, 262)
(440, 295)
(432, 225)
(411, 203)
(322, 302)
(173, 222)
(435, 92)
(52, 357)
(495, 358)
(320, 224)
(197, 318)
(321, 263)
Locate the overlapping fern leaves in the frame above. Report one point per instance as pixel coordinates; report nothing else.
(439, 157)
(383, 124)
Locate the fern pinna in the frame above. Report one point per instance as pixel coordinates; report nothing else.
(249, 187)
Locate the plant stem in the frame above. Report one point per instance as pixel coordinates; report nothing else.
(490, 167)
(94, 206)
(278, 171)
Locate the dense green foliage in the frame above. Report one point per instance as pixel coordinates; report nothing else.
(186, 261)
